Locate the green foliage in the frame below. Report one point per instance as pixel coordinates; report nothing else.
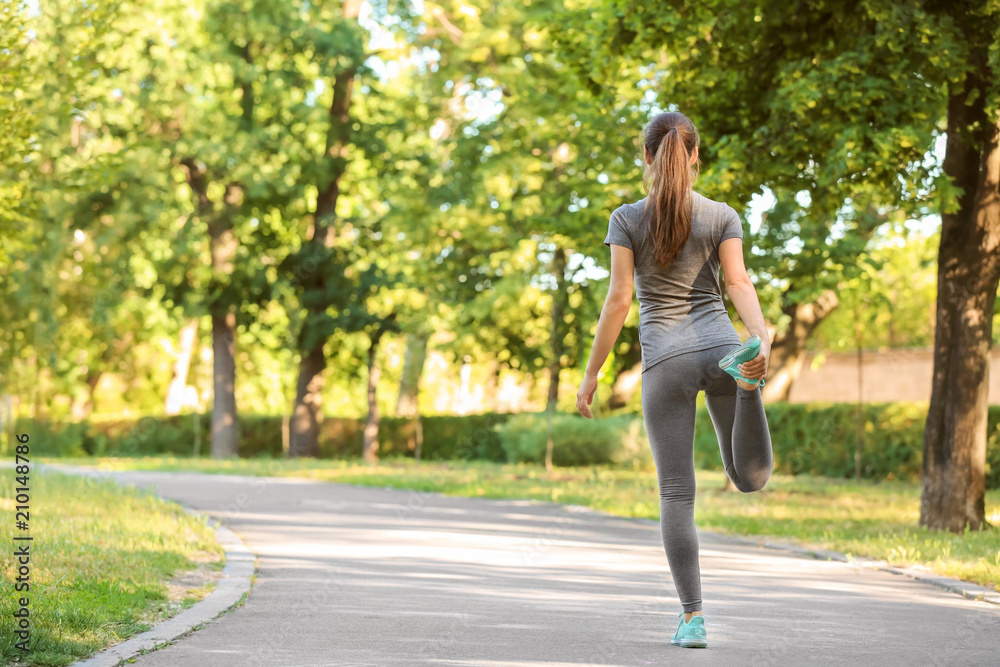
(445, 437)
(449, 437)
(808, 439)
(133, 127)
(118, 437)
(819, 439)
(497, 188)
(893, 304)
(576, 440)
(15, 126)
(57, 438)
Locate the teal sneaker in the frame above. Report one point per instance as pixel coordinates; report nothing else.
(745, 352)
(692, 634)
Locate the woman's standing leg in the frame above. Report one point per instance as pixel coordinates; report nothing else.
(669, 392)
(741, 425)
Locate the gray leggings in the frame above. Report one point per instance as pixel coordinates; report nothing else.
(669, 390)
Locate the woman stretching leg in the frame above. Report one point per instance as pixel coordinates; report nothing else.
(670, 246)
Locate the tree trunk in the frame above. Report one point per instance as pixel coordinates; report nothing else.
(370, 445)
(553, 398)
(859, 433)
(419, 441)
(285, 441)
(953, 496)
(223, 245)
(413, 368)
(196, 420)
(559, 261)
(81, 410)
(175, 392)
(492, 388)
(304, 436)
(225, 425)
(306, 413)
(407, 404)
(788, 349)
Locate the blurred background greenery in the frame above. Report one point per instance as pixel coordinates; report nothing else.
(258, 228)
(362, 241)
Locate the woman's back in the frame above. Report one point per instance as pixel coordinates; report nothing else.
(680, 305)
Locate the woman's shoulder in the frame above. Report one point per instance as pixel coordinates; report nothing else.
(629, 211)
(698, 197)
(719, 208)
(634, 210)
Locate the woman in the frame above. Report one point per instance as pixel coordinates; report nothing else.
(674, 240)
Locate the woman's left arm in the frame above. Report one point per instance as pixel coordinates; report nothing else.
(616, 307)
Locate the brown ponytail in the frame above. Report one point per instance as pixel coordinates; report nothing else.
(671, 138)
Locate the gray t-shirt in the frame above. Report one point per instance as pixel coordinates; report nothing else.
(680, 305)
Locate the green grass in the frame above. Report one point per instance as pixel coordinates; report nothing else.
(867, 519)
(100, 560)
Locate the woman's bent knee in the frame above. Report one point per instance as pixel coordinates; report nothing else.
(752, 481)
(751, 487)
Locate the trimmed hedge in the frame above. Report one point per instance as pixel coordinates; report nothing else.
(577, 441)
(813, 438)
(819, 439)
(445, 437)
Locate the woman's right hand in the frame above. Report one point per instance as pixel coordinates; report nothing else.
(756, 368)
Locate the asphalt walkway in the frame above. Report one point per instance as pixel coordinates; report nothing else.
(370, 576)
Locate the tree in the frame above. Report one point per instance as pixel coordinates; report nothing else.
(320, 263)
(64, 291)
(408, 399)
(547, 164)
(205, 104)
(953, 496)
(15, 127)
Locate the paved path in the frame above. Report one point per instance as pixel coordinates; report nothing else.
(369, 576)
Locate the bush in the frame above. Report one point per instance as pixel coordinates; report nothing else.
(633, 450)
(149, 435)
(819, 439)
(445, 437)
(53, 439)
(812, 438)
(575, 440)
